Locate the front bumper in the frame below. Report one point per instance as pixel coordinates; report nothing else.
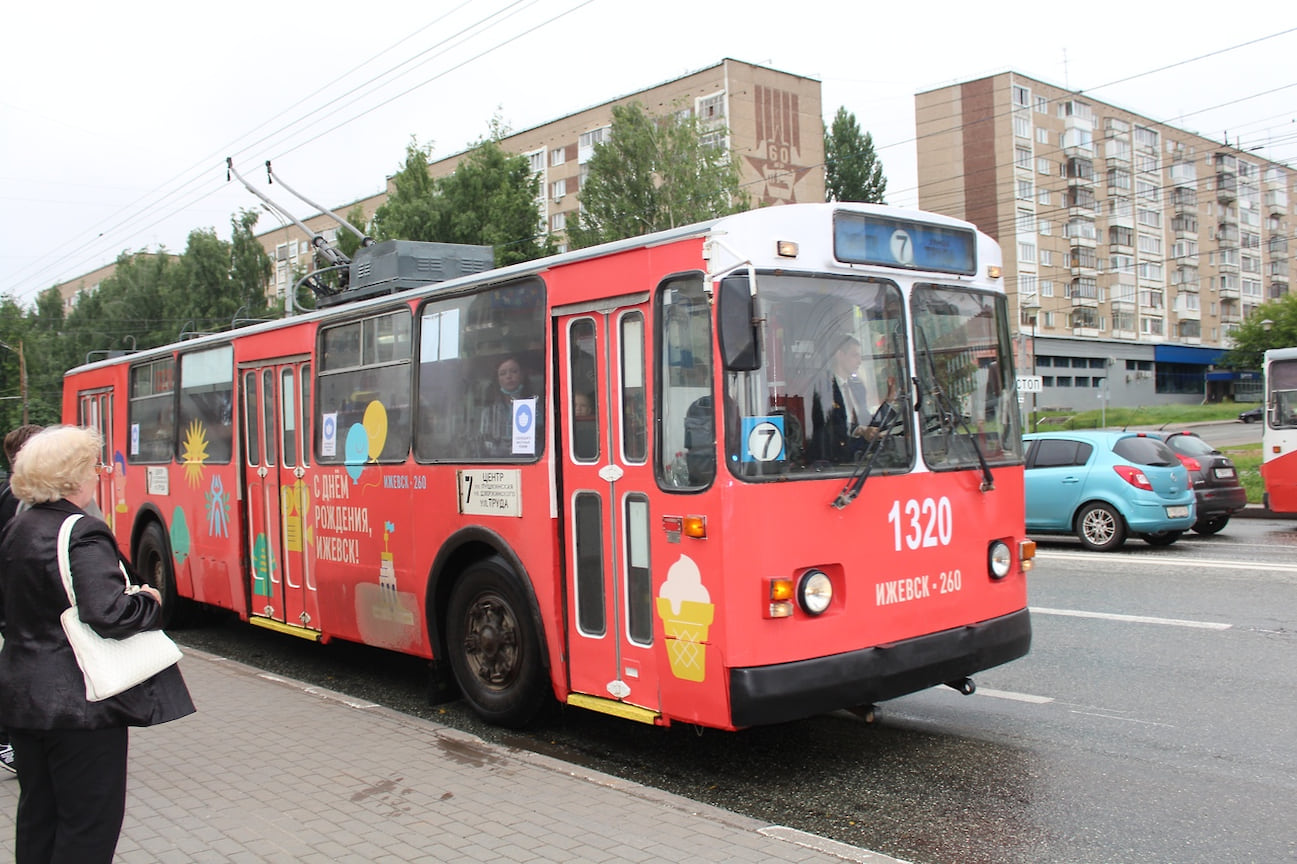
(791, 691)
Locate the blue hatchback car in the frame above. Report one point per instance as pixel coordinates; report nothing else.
(1104, 486)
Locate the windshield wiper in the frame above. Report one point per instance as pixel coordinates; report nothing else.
(885, 420)
(946, 412)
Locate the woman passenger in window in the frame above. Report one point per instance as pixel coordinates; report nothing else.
(497, 423)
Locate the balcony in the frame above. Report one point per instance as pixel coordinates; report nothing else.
(1229, 293)
(1278, 247)
(1226, 187)
(1226, 234)
(1278, 289)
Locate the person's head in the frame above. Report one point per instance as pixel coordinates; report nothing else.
(509, 375)
(847, 356)
(15, 440)
(582, 405)
(56, 463)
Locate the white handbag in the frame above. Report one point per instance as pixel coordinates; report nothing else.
(110, 666)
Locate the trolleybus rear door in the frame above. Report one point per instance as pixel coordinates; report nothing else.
(605, 480)
(276, 410)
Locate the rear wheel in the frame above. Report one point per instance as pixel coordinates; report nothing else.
(153, 565)
(1100, 528)
(1211, 525)
(493, 646)
(1161, 538)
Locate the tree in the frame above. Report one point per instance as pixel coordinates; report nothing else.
(412, 210)
(852, 170)
(490, 200)
(250, 266)
(1253, 337)
(651, 174)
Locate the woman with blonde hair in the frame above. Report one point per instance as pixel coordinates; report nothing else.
(70, 752)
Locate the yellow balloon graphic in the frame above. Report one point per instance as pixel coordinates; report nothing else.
(375, 424)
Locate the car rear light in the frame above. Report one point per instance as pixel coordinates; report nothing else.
(1189, 462)
(1133, 476)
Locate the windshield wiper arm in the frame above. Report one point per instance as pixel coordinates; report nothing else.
(885, 420)
(947, 413)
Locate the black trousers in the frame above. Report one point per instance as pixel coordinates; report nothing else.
(73, 794)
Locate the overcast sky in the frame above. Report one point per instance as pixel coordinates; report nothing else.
(117, 117)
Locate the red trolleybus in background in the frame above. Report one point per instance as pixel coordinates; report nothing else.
(658, 478)
(1279, 434)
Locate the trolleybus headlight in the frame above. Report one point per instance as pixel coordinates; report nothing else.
(1000, 559)
(814, 592)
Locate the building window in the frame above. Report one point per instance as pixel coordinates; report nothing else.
(557, 156)
(558, 221)
(1145, 137)
(1021, 96)
(1042, 105)
(536, 159)
(1042, 135)
(1021, 125)
(559, 189)
(1046, 287)
(1042, 197)
(1025, 190)
(589, 140)
(1046, 257)
(1026, 250)
(1150, 245)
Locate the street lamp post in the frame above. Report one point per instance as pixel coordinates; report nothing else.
(1031, 311)
(22, 374)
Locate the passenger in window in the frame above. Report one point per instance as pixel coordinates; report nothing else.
(582, 406)
(511, 386)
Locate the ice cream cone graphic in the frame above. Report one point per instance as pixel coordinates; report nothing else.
(686, 611)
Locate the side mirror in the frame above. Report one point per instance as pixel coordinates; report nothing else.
(736, 320)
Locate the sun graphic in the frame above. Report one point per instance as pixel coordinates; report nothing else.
(195, 452)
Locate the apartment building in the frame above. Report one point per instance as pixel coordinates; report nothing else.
(1132, 249)
(771, 120)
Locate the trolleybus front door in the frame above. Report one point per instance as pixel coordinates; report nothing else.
(95, 410)
(276, 398)
(606, 483)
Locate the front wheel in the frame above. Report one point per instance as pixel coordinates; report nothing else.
(493, 646)
(1100, 528)
(1212, 525)
(1162, 538)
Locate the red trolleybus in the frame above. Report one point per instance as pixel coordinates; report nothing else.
(1279, 434)
(730, 474)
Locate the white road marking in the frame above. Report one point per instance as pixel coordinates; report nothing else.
(1016, 697)
(1169, 561)
(1124, 719)
(1134, 619)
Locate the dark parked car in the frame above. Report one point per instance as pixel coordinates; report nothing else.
(1252, 415)
(1216, 486)
(1104, 486)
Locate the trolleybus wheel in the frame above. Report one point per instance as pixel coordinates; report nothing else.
(153, 565)
(492, 646)
(1100, 528)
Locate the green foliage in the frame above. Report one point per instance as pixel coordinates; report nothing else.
(651, 174)
(348, 243)
(412, 209)
(852, 170)
(490, 199)
(1252, 339)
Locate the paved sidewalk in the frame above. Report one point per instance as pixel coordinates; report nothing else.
(271, 770)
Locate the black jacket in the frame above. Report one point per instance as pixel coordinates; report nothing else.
(41, 686)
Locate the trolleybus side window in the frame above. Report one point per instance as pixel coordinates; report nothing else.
(207, 405)
(634, 424)
(151, 415)
(585, 390)
(686, 425)
(481, 372)
(365, 384)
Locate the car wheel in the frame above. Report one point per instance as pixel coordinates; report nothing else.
(1100, 528)
(1212, 525)
(1161, 538)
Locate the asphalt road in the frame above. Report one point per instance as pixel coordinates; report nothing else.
(1151, 722)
